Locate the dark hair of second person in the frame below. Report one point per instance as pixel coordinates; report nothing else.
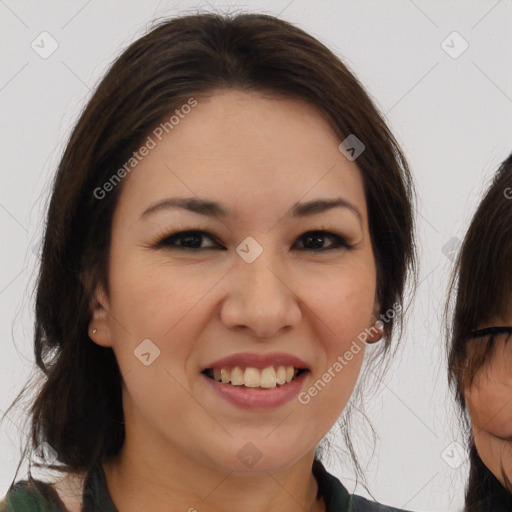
(480, 354)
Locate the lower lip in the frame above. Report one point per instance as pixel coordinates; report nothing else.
(256, 398)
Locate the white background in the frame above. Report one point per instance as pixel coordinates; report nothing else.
(453, 118)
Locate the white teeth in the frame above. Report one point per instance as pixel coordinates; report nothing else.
(237, 377)
(253, 377)
(281, 375)
(268, 378)
(224, 374)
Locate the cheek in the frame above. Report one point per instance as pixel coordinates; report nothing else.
(155, 297)
(163, 304)
(343, 309)
(347, 301)
(490, 406)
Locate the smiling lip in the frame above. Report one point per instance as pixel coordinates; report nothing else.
(253, 398)
(260, 361)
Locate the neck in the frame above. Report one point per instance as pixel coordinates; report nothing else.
(148, 476)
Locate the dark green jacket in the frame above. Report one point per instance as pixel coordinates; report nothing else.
(36, 496)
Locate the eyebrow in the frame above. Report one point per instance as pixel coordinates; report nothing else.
(215, 209)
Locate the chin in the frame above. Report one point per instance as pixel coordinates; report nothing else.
(246, 456)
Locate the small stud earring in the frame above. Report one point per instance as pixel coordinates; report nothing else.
(94, 331)
(379, 325)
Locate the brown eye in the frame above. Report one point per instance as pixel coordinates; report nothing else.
(191, 240)
(314, 240)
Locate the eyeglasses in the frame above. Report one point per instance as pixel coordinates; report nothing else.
(489, 331)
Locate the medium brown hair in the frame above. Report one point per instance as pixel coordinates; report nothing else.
(78, 408)
(480, 291)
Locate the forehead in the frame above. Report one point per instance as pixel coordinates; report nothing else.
(247, 150)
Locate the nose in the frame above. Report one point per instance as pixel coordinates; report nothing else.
(260, 299)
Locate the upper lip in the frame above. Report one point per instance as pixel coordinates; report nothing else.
(255, 360)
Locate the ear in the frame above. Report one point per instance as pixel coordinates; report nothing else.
(376, 328)
(99, 326)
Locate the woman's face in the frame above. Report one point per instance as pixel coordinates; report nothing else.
(489, 402)
(254, 284)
